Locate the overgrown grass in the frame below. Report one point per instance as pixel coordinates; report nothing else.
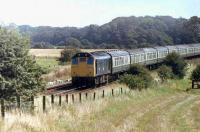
(109, 114)
(53, 68)
(163, 107)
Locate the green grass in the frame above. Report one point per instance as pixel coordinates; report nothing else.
(47, 63)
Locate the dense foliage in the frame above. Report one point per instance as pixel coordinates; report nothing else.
(67, 54)
(177, 64)
(19, 73)
(122, 32)
(165, 72)
(137, 78)
(196, 73)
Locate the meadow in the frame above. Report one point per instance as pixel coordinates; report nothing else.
(54, 52)
(168, 106)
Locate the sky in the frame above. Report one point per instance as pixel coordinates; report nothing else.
(81, 13)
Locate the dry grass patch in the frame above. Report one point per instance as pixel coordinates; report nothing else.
(62, 73)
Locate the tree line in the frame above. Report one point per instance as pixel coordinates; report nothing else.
(122, 32)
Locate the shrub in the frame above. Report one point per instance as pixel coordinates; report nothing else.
(67, 54)
(138, 70)
(196, 73)
(138, 77)
(177, 64)
(133, 81)
(143, 72)
(165, 72)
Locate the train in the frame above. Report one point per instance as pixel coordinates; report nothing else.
(96, 68)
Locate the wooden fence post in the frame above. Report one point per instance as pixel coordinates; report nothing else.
(192, 84)
(86, 95)
(94, 96)
(32, 103)
(2, 109)
(72, 98)
(67, 98)
(103, 94)
(60, 100)
(112, 92)
(44, 104)
(80, 97)
(52, 99)
(18, 102)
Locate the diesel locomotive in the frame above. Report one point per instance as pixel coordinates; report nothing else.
(95, 68)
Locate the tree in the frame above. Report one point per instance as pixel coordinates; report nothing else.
(67, 54)
(196, 73)
(164, 72)
(73, 42)
(19, 73)
(123, 32)
(177, 64)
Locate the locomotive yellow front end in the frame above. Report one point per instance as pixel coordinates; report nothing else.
(82, 68)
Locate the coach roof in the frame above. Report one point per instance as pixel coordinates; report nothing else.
(116, 53)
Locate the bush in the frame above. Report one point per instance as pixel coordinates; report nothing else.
(138, 77)
(141, 71)
(133, 81)
(67, 54)
(177, 64)
(165, 72)
(138, 70)
(196, 73)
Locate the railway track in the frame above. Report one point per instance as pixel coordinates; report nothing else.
(67, 88)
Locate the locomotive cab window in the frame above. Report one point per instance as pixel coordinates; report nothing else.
(82, 59)
(75, 61)
(90, 61)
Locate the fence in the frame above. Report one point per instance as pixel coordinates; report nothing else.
(50, 100)
(195, 83)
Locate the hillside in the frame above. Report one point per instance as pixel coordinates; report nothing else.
(122, 32)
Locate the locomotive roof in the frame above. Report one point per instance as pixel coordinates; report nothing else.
(100, 55)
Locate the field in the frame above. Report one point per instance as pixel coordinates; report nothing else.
(47, 63)
(53, 52)
(163, 107)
